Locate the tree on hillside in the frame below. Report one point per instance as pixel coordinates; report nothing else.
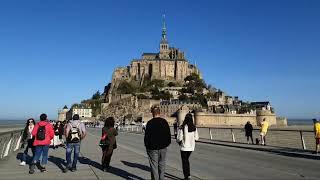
(96, 95)
(192, 77)
(183, 97)
(125, 88)
(157, 83)
(201, 99)
(142, 96)
(171, 84)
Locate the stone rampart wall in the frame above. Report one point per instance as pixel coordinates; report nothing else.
(210, 119)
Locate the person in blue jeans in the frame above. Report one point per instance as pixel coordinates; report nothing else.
(27, 139)
(75, 131)
(43, 134)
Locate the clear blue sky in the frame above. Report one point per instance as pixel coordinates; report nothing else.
(59, 52)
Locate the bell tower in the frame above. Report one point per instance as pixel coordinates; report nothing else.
(164, 45)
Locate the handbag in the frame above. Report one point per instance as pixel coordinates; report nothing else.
(104, 141)
(115, 144)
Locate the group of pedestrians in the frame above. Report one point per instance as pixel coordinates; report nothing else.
(38, 136)
(158, 137)
(264, 125)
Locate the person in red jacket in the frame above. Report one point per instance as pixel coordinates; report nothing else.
(43, 133)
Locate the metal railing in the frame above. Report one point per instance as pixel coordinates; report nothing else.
(10, 142)
(282, 138)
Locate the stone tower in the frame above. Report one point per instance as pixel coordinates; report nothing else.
(164, 44)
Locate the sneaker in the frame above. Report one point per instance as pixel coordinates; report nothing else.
(65, 170)
(31, 170)
(23, 163)
(105, 169)
(73, 169)
(43, 169)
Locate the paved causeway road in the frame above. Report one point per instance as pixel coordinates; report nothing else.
(207, 162)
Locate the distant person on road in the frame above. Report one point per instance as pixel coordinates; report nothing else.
(143, 126)
(75, 132)
(156, 140)
(28, 139)
(263, 131)
(108, 142)
(43, 133)
(175, 129)
(187, 135)
(316, 125)
(248, 129)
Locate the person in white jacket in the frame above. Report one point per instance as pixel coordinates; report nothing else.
(187, 135)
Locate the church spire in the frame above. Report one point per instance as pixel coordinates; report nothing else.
(164, 29)
(164, 45)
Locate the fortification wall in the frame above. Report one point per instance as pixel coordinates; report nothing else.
(148, 116)
(268, 115)
(282, 121)
(210, 119)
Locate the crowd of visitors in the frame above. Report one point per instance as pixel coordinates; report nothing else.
(39, 137)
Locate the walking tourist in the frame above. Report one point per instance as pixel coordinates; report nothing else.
(108, 142)
(187, 135)
(156, 140)
(43, 133)
(316, 125)
(248, 129)
(28, 139)
(143, 126)
(75, 131)
(263, 131)
(175, 129)
(58, 132)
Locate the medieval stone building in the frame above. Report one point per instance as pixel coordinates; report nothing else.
(168, 64)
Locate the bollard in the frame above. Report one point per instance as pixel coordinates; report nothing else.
(302, 141)
(210, 133)
(233, 138)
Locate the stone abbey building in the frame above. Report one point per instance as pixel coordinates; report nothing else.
(168, 64)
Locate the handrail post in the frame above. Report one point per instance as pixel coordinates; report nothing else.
(210, 133)
(302, 141)
(233, 138)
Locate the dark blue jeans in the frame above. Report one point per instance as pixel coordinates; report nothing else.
(41, 150)
(29, 146)
(72, 147)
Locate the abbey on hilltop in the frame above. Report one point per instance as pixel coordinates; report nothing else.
(167, 79)
(168, 64)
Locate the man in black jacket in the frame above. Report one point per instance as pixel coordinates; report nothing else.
(248, 128)
(156, 139)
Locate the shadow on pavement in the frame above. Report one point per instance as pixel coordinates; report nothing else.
(19, 157)
(290, 152)
(136, 165)
(113, 170)
(57, 161)
(147, 168)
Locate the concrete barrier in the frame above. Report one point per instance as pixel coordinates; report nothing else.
(10, 142)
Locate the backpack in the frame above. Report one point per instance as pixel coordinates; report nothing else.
(74, 134)
(41, 133)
